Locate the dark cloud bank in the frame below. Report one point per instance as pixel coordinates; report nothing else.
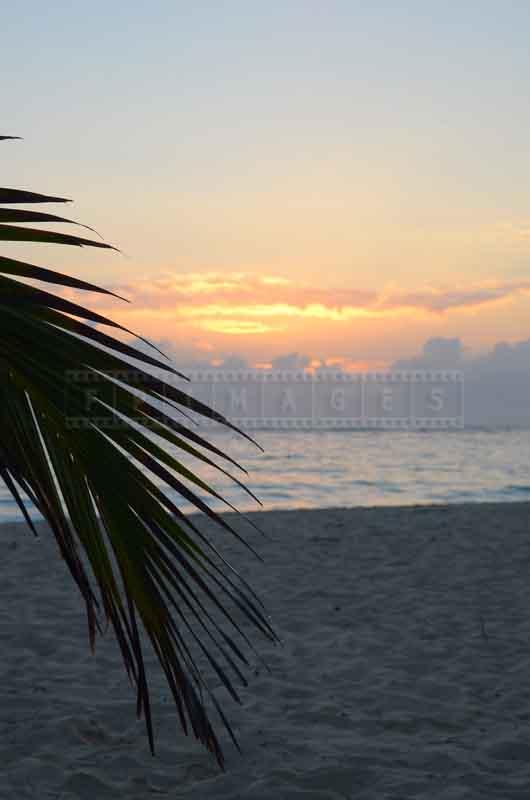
(496, 385)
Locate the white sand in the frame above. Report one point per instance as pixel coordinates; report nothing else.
(405, 671)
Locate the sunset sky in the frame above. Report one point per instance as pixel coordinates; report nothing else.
(339, 179)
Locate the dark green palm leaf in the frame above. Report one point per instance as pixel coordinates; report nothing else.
(21, 196)
(90, 469)
(22, 215)
(12, 233)
(9, 266)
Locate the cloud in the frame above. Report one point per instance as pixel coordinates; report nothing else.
(437, 353)
(450, 353)
(237, 327)
(443, 300)
(291, 361)
(496, 384)
(217, 301)
(233, 362)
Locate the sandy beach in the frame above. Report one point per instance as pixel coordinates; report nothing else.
(404, 673)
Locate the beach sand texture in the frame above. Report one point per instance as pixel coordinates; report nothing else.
(405, 669)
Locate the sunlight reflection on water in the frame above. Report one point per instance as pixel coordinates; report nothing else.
(319, 469)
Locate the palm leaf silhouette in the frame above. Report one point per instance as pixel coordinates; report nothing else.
(89, 468)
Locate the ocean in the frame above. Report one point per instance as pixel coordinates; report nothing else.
(324, 469)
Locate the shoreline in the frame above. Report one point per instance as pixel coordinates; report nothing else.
(460, 504)
(404, 670)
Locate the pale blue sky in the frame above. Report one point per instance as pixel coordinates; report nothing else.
(342, 143)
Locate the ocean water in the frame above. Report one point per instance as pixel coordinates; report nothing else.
(319, 469)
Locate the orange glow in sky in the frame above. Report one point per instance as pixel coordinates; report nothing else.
(349, 206)
(261, 318)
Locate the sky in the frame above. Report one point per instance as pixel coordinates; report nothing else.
(342, 179)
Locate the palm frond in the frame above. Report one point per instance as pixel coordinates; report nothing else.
(77, 437)
(22, 196)
(22, 215)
